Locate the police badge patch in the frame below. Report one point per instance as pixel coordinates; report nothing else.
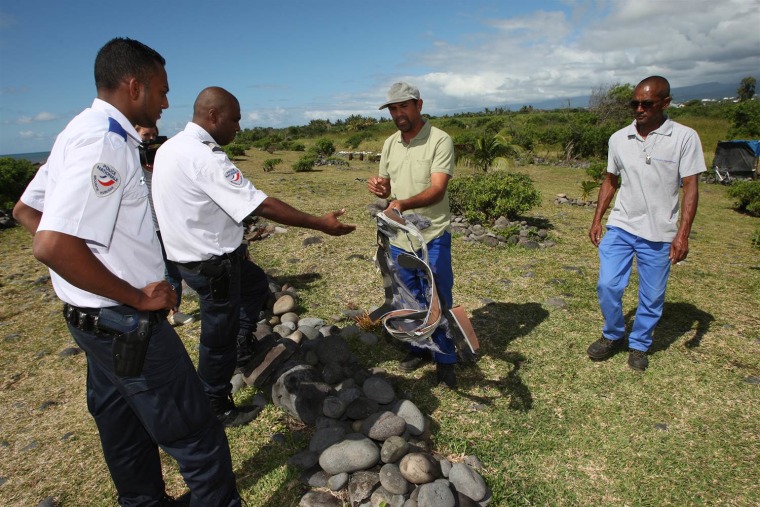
(105, 179)
(233, 176)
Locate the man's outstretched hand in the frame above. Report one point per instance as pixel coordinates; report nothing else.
(334, 227)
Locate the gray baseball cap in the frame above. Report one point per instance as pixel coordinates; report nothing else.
(400, 92)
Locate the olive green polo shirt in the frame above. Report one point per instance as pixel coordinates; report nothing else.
(409, 167)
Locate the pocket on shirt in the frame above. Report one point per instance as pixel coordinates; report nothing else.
(421, 171)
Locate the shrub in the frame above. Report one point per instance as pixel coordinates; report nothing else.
(747, 195)
(324, 147)
(485, 197)
(15, 175)
(355, 140)
(271, 163)
(305, 164)
(234, 150)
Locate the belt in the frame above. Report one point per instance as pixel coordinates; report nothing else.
(235, 255)
(86, 319)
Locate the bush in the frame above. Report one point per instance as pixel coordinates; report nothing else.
(485, 197)
(324, 147)
(355, 140)
(271, 163)
(747, 195)
(305, 164)
(15, 175)
(234, 150)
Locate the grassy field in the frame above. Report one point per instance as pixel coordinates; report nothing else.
(549, 426)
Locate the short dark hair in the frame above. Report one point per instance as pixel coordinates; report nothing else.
(123, 58)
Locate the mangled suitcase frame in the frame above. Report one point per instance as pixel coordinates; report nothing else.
(402, 315)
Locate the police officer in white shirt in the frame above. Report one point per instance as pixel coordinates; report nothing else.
(88, 211)
(201, 199)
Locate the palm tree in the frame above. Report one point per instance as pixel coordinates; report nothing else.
(487, 150)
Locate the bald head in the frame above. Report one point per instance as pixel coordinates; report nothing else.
(218, 112)
(659, 85)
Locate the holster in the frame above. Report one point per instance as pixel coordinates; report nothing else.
(131, 336)
(218, 273)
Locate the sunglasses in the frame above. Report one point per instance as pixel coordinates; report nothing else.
(646, 104)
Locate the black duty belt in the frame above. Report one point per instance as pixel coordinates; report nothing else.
(87, 319)
(234, 256)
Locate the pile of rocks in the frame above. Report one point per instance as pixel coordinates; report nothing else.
(503, 232)
(369, 446)
(564, 199)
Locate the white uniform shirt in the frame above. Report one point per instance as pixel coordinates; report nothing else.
(647, 202)
(200, 197)
(91, 187)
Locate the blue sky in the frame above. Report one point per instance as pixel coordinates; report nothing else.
(289, 61)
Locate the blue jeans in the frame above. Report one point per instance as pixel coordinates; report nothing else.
(439, 260)
(224, 317)
(162, 407)
(616, 252)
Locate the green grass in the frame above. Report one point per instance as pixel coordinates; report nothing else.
(549, 426)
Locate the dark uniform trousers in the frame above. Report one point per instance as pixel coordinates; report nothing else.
(232, 291)
(162, 407)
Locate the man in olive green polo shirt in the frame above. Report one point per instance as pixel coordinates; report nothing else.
(415, 167)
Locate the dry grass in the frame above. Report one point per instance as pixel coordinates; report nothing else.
(550, 426)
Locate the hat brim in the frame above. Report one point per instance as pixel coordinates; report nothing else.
(396, 101)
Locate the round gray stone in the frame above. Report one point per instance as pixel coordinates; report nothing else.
(392, 480)
(378, 389)
(394, 448)
(284, 304)
(333, 407)
(382, 425)
(419, 468)
(319, 499)
(467, 481)
(355, 452)
(337, 481)
(325, 437)
(361, 485)
(415, 420)
(435, 494)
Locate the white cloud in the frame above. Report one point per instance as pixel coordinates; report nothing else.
(550, 55)
(39, 117)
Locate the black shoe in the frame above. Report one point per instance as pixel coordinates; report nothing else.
(446, 375)
(245, 346)
(412, 361)
(167, 501)
(603, 348)
(638, 360)
(230, 415)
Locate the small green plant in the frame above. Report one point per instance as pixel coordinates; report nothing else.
(15, 175)
(323, 147)
(354, 140)
(271, 163)
(747, 195)
(234, 150)
(756, 238)
(485, 197)
(305, 164)
(596, 172)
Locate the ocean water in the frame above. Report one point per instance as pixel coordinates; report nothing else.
(39, 157)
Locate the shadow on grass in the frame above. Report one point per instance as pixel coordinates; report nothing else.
(677, 321)
(497, 325)
(270, 457)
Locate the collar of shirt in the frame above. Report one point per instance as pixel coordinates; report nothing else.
(111, 111)
(665, 129)
(423, 134)
(196, 130)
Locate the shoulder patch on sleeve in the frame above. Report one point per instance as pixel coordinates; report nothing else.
(214, 147)
(115, 127)
(233, 176)
(105, 179)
